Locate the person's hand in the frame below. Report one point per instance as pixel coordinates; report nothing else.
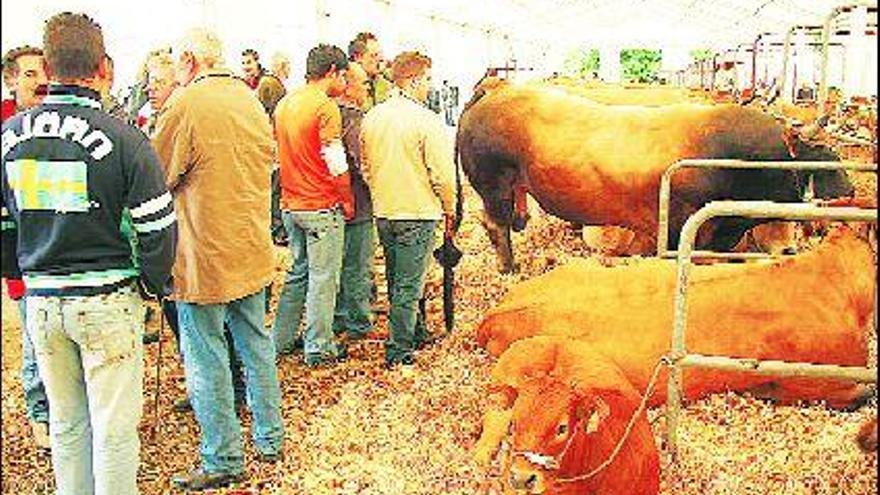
(348, 210)
(449, 226)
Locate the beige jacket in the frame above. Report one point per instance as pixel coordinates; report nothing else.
(216, 146)
(408, 161)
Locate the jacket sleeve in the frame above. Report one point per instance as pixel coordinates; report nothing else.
(173, 142)
(9, 241)
(439, 158)
(151, 210)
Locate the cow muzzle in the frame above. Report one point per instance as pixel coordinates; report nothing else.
(527, 481)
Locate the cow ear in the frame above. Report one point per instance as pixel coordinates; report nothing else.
(598, 414)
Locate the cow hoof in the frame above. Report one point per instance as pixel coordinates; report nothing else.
(519, 224)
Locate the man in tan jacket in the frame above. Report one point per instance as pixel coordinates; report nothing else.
(407, 160)
(216, 146)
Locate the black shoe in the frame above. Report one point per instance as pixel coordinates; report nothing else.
(269, 458)
(296, 347)
(407, 360)
(430, 340)
(182, 405)
(199, 480)
(150, 338)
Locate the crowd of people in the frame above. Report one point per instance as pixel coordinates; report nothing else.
(177, 194)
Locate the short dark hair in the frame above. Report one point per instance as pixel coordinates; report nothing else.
(322, 59)
(10, 60)
(73, 45)
(358, 45)
(252, 53)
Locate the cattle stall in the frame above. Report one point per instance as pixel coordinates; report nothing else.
(679, 358)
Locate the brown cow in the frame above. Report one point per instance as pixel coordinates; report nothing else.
(567, 407)
(597, 164)
(810, 307)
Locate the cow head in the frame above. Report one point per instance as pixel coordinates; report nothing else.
(551, 430)
(802, 145)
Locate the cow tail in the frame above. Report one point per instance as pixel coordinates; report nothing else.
(459, 200)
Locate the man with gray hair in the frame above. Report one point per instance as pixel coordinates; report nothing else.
(216, 146)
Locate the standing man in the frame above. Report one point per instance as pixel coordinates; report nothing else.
(73, 196)
(353, 301)
(216, 144)
(316, 199)
(281, 67)
(251, 68)
(407, 159)
(23, 74)
(365, 50)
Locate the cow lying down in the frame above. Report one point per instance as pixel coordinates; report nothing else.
(579, 345)
(567, 408)
(811, 307)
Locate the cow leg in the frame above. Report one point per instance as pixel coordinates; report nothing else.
(499, 235)
(520, 207)
(496, 422)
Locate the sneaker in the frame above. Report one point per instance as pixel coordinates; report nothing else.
(150, 338)
(199, 480)
(40, 431)
(296, 347)
(326, 361)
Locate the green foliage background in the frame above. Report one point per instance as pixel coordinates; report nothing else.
(640, 64)
(582, 63)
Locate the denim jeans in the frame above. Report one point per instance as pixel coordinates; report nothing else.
(34, 392)
(316, 240)
(209, 380)
(90, 354)
(353, 301)
(169, 309)
(407, 245)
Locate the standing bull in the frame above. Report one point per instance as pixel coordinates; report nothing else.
(597, 164)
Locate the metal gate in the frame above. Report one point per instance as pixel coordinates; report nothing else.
(679, 358)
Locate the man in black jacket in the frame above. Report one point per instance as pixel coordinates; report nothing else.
(93, 226)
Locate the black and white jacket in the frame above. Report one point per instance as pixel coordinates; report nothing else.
(85, 201)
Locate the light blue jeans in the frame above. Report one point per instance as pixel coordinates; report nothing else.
(34, 392)
(90, 355)
(353, 302)
(210, 382)
(316, 240)
(407, 245)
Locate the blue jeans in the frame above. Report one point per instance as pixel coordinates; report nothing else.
(316, 240)
(407, 245)
(90, 354)
(353, 302)
(210, 382)
(34, 391)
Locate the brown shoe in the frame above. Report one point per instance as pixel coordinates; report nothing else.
(199, 480)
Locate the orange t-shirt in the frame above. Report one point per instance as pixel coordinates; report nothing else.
(305, 120)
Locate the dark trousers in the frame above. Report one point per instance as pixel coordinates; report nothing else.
(169, 309)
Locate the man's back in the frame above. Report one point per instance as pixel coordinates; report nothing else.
(305, 120)
(217, 146)
(78, 180)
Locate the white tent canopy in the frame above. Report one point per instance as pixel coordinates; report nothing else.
(462, 36)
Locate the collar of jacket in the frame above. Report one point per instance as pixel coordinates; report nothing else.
(66, 94)
(209, 73)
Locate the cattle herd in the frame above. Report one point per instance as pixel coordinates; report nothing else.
(579, 346)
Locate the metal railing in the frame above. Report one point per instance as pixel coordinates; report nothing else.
(666, 186)
(679, 358)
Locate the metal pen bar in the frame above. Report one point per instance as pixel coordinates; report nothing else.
(666, 183)
(749, 209)
(826, 38)
(780, 368)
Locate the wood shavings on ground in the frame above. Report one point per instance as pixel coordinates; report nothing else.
(360, 429)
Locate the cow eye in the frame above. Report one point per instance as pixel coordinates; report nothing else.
(562, 429)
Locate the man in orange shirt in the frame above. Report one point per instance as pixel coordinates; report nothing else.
(316, 199)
